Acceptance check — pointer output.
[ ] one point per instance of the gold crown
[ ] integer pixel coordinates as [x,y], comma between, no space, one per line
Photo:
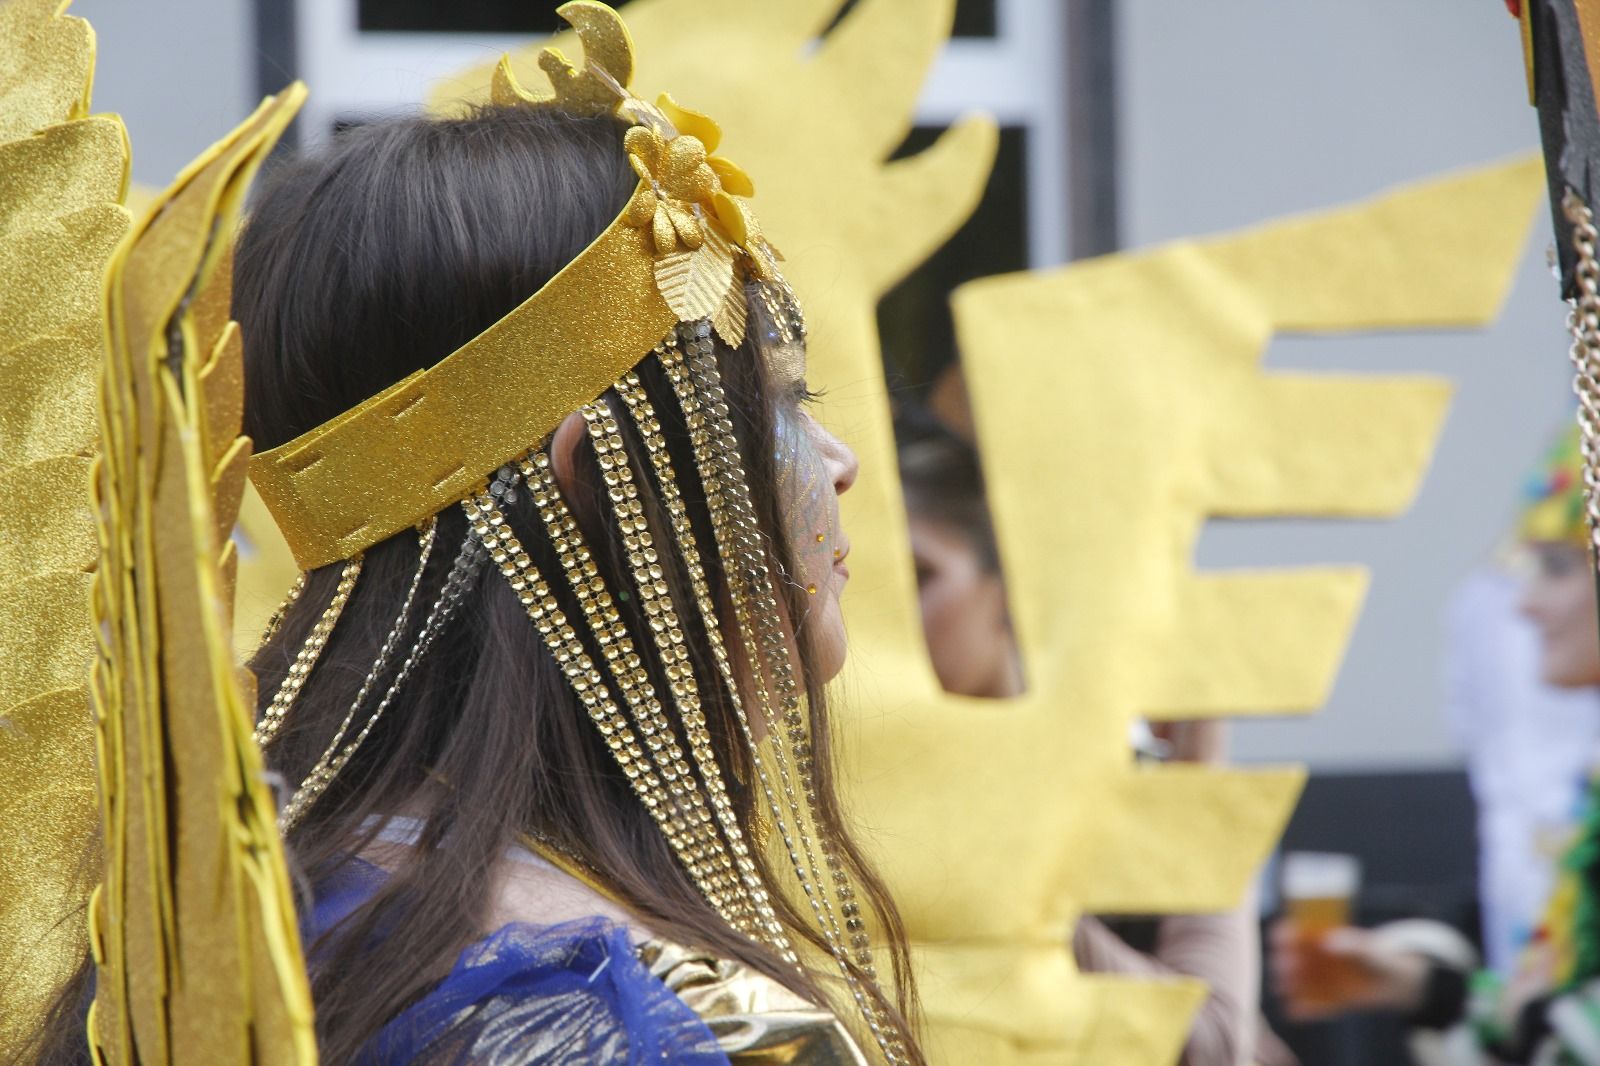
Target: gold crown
[679,252]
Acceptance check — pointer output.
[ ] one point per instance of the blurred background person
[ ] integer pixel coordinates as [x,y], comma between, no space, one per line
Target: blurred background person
[1531,755]
[962,596]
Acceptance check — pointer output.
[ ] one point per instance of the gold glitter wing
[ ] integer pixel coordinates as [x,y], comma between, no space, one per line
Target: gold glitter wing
[193,927]
[999,826]
[63,174]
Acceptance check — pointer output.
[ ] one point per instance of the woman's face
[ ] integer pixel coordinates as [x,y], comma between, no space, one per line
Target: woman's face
[813,467]
[964,614]
[1560,601]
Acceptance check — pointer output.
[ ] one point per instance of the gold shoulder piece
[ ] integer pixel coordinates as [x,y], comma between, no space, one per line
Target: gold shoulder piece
[193,926]
[756,1020]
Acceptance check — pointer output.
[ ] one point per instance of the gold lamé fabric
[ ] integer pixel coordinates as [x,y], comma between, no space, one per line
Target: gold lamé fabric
[757,1022]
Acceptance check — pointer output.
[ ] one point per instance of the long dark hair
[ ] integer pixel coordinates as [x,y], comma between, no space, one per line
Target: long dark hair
[359,266]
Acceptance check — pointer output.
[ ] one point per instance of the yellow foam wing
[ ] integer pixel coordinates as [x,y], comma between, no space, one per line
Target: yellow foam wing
[63,174]
[193,926]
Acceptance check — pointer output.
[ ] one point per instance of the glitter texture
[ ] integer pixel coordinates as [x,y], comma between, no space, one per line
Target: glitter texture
[197,950]
[61,179]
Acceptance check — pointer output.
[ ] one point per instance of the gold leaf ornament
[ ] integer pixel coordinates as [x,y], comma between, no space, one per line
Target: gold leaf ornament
[685,191]
[696,283]
[729,320]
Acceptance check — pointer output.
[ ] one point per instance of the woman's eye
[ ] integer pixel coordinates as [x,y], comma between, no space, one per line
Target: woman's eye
[810,396]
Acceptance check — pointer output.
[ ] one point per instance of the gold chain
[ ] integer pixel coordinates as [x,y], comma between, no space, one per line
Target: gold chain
[1584,322]
[710,860]
[289,600]
[562,640]
[740,542]
[299,670]
[667,631]
[334,757]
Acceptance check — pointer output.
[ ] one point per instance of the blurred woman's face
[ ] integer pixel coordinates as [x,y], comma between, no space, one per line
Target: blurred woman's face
[1560,601]
[964,615]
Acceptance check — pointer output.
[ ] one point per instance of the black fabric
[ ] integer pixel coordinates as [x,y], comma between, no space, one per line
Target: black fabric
[1444,998]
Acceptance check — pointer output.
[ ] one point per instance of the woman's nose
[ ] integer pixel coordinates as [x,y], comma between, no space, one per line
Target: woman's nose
[847,467]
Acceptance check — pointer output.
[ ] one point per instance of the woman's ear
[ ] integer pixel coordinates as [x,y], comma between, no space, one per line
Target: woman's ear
[564,451]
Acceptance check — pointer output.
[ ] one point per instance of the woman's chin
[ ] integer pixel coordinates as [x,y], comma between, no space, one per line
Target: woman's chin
[830,647]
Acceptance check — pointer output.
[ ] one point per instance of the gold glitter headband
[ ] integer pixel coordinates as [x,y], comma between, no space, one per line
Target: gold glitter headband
[679,252]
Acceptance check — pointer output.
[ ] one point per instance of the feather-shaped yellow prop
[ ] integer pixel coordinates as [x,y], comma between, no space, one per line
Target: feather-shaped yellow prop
[1132,387]
[193,927]
[63,175]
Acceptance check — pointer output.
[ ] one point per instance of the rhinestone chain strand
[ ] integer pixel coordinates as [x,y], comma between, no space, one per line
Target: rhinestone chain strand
[289,600]
[536,598]
[683,532]
[733,520]
[667,631]
[627,668]
[771,639]
[317,780]
[272,719]
[463,572]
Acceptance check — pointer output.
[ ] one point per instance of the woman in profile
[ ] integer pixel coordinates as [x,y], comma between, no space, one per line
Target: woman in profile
[548,700]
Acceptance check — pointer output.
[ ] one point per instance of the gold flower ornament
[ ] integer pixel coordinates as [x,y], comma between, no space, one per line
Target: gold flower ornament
[691,200]
[683,181]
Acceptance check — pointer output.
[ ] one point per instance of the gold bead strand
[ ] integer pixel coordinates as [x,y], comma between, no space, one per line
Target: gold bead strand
[458,582]
[716,453]
[644,417]
[585,679]
[667,632]
[717,500]
[771,639]
[653,592]
[318,779]
[289,600]
[299,670]
[627,668]
[748,537]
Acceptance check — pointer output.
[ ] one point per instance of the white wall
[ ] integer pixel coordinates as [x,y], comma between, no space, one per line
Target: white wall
[1234,111]
[180,72]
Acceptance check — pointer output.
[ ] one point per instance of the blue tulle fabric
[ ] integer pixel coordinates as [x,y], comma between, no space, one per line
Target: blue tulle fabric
[569,993]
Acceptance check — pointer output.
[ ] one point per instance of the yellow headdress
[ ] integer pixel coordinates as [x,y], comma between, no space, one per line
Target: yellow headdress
[669,271]
[679,252]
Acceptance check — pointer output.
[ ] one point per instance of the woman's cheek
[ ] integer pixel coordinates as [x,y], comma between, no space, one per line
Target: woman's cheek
[806,501]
